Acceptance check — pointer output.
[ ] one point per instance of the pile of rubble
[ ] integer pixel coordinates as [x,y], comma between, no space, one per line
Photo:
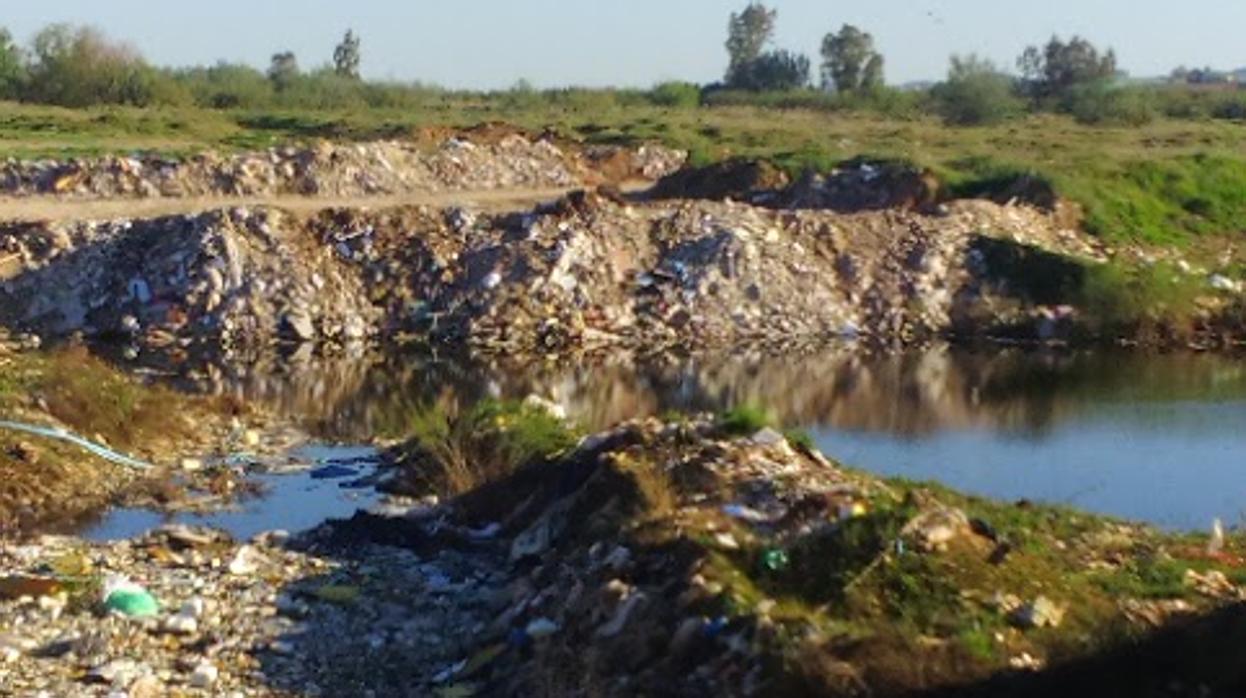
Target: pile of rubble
[656,558]
[590,271]
[461,162]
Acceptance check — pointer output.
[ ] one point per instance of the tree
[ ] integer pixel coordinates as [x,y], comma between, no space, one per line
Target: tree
[748,32]
[346,57]
[849,61]
[284,70]
[1057,68]
[773,70]
[12,67]
[976,92]
[79,66]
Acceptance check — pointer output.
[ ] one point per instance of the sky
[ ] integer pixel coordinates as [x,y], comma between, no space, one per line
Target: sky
[495,43]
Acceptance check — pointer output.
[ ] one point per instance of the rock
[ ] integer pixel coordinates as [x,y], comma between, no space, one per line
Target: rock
[769,437]
[191,465]
[204,676]
[935,529]
[117,672]
[1039,613]
[622,615]
[181,624]
[246,562]
[685,636]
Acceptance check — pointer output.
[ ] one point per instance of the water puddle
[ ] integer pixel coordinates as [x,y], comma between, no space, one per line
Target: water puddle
[1153,437]
[290,501]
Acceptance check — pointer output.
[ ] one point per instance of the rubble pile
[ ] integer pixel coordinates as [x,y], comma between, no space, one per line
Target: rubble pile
[689,557]
[591,271]
[460,162]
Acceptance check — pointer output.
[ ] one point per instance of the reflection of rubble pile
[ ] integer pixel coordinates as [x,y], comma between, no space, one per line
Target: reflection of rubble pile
[387,167]
[588,272]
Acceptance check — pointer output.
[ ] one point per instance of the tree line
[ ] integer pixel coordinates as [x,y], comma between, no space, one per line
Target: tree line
[79,66]
[75,66]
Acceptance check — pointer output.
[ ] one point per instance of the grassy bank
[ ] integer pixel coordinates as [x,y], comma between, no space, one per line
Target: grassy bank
[42,479]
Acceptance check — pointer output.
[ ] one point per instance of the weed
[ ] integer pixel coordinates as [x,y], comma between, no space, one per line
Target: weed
[463,449]
[745,420]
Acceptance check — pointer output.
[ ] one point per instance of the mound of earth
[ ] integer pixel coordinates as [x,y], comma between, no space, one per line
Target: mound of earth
[477,159]
[856,186]
[588,272]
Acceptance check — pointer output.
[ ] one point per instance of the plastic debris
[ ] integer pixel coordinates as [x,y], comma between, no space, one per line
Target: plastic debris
[129,599]
[541,627]
[62,435]
[338,594]
[775,560]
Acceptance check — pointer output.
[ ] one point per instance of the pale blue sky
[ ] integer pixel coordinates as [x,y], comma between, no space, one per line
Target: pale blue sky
[493,43]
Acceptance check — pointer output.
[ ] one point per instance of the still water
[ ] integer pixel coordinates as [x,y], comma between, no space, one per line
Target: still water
[1160,438]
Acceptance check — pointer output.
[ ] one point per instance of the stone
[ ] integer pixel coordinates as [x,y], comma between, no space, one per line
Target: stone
[1039,613]
[181,624]
[205,675]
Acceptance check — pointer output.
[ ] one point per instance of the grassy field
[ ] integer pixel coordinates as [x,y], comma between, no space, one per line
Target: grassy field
[1169,182]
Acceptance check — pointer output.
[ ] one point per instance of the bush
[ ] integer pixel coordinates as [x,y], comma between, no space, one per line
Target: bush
[464,449]
[227,86]
[1102,104]
[684,95]
[975,93]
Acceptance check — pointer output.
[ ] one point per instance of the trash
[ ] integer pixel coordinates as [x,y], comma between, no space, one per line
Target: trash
[852,510]
[333,472]
[18,586]
[775,560]
[62,435]
[338,594]
[129,599]
[541,627]
[744,513]
[726,541]
[1215,544]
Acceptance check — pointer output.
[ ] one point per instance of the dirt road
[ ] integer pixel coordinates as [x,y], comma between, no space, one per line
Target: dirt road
[45,208]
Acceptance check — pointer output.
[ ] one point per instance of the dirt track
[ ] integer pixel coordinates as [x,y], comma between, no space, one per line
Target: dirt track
[54,209]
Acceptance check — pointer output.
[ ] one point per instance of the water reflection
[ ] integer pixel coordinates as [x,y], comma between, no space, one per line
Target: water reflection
[1160,437]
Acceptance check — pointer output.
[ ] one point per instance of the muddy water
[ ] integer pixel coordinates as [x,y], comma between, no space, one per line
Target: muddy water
[1160,438]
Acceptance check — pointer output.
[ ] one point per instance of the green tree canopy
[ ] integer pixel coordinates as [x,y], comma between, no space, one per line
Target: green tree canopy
[773,70]
[849,61]
[284,70]
[1054,70]
[79,66]
[748,32]
[346,56]
[12,67]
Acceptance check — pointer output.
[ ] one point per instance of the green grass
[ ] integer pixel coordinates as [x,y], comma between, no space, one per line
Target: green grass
[453,450]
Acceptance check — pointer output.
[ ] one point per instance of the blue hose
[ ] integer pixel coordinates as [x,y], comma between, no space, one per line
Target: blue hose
[62,435]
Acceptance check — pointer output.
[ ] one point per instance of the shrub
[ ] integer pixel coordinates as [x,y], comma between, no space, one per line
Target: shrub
[976,93]
[745,420]
[1102,104]
[463,449]
[684,95]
